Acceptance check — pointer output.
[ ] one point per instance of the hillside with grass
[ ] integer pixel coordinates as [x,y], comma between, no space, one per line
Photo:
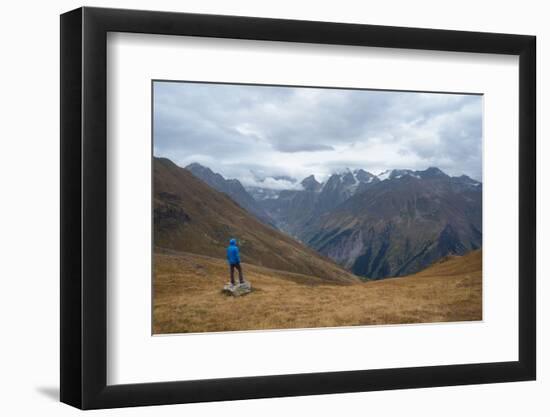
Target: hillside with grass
[188,299]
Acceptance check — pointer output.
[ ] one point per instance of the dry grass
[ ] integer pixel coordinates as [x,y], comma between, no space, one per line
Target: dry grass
[188,298]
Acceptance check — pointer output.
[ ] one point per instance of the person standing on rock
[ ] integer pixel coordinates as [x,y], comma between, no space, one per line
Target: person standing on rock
[234,260]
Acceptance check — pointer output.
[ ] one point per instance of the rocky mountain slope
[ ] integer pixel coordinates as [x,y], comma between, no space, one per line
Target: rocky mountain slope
[393,224]
[401,225]
[293,210]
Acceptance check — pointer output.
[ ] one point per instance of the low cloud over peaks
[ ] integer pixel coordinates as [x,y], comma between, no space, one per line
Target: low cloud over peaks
[241,129]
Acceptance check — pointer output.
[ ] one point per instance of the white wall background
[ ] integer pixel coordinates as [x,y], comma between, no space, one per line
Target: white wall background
[29,226]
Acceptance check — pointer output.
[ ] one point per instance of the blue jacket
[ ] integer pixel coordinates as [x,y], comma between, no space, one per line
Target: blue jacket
[233,253]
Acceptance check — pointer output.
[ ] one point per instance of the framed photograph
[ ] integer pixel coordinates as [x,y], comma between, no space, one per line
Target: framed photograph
[257,207]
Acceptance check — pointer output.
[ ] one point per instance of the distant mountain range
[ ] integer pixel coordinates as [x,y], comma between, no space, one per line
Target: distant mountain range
[191,216]
[400,225]
[376,226]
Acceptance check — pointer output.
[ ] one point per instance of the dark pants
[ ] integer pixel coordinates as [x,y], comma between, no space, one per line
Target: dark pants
[232,268]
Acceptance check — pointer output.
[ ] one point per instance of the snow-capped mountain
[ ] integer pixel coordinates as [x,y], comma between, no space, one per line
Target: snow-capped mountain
[392,174]
[340,186]
[429,173]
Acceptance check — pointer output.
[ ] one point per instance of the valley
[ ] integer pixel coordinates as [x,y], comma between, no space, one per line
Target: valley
[393,224]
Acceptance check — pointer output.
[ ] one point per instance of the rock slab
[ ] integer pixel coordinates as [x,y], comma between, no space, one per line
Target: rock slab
[238,289]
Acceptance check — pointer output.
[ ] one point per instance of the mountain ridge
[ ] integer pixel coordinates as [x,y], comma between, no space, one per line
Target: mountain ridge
[232,187]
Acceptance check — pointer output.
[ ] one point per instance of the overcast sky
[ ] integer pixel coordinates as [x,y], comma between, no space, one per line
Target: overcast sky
[253,132]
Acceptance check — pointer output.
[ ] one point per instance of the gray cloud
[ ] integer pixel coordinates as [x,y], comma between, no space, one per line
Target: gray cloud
[241,131]
[291,146]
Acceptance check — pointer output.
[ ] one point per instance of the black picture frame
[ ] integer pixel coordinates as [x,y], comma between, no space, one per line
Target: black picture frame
[84,207]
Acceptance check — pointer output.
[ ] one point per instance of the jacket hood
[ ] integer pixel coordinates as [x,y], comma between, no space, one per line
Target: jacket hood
[232,242]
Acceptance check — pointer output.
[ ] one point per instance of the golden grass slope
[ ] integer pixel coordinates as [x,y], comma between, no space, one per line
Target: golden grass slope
[188,298]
